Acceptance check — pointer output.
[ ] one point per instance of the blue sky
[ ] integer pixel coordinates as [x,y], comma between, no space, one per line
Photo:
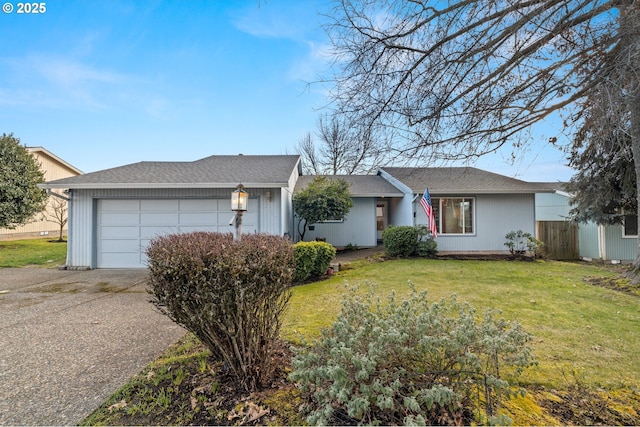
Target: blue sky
[102,83]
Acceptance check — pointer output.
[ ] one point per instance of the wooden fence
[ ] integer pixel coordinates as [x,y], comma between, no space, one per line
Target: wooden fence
[560,239]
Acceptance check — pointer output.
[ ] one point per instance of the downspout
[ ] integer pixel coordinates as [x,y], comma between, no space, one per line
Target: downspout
[413,207]
[602,242]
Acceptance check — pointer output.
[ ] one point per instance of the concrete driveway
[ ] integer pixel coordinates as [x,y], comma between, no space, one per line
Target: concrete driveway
[68,339]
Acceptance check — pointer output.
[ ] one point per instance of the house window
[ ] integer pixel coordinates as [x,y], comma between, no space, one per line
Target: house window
[630,226]
[454,215]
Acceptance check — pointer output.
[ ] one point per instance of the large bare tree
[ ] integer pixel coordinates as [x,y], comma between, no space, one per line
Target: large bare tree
[454,79]
[342,148]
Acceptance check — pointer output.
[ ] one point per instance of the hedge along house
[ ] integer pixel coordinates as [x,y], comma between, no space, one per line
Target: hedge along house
[114,213]
[474,209]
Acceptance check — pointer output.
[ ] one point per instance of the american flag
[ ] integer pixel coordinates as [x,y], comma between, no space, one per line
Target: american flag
[425,201]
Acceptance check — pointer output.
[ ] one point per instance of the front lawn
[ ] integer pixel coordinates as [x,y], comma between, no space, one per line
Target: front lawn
[586,339]
[576,326]
[32,252]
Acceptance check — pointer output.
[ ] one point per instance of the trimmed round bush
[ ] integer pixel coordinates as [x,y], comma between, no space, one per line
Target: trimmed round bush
[325,253]
[400,241]
[312,259]
[230,294]
[305,256]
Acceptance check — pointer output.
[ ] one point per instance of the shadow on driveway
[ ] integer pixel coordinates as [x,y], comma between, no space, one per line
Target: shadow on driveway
[71,338]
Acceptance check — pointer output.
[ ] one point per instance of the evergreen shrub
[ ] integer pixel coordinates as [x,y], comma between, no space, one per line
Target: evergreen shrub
[400,240]
[325,253]
[410,362]
[312,259]
[520,242]
[305,258]
[230,294]
[426,245]
[407,240]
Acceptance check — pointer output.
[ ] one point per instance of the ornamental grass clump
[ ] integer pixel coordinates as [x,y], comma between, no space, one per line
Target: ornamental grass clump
[410,362]
[230,294]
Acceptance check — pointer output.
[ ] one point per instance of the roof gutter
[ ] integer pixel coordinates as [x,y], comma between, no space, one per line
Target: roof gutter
[459,192]
[59,196]
[147,185]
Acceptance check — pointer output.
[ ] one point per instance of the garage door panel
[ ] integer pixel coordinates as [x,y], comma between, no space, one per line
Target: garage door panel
[198,218]
[155,231]
[118,219]
[119,205]
[121,245]
[159,218]
[121,260]
[194,228]
[199,205]
[223,218]
[112,232]
[158,205]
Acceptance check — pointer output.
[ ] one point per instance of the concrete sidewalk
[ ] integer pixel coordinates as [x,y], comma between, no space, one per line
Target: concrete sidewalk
[68,339]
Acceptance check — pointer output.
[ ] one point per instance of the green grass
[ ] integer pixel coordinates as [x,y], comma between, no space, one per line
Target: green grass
[581,332]
[32,252]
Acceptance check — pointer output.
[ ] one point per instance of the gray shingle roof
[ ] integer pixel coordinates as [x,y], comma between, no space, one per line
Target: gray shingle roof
[360,185]
[461,180]
[211,172]
[556,186]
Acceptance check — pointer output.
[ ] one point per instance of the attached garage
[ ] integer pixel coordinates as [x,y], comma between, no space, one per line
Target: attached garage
[114,213]
[125,226]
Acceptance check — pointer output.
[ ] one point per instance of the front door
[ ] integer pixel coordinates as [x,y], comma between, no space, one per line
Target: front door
[381,218]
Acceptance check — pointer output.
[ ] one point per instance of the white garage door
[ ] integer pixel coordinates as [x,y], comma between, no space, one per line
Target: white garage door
[125,227]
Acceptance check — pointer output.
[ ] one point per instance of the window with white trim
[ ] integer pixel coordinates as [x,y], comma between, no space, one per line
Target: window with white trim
[630,226]
[454,215]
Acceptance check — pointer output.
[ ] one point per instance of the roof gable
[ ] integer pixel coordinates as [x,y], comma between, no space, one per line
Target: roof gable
[461,180]
[43,152]
[210,172]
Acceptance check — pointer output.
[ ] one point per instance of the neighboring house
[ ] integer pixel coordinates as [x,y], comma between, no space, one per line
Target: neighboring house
[115,212]
[53,168]
[617,243]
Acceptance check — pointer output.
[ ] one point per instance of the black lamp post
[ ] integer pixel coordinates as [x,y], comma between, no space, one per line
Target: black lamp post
[239,203]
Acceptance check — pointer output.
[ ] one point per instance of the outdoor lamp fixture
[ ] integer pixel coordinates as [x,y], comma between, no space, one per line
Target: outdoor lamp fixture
[239,202]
